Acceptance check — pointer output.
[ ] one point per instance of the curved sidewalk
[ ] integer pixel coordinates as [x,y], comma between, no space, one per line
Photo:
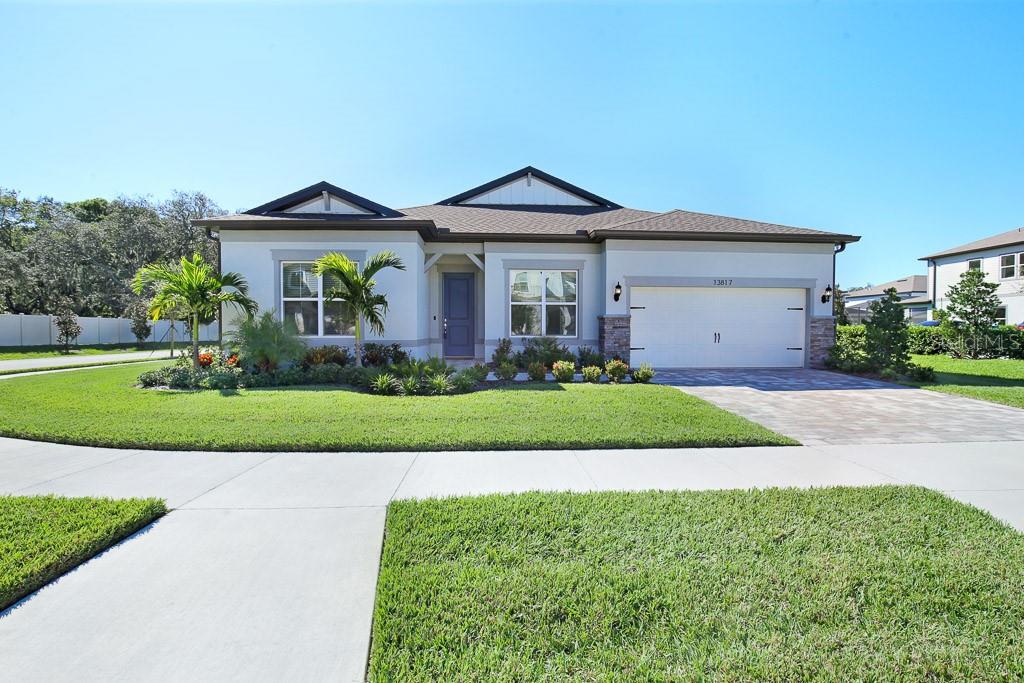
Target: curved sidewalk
[55,362]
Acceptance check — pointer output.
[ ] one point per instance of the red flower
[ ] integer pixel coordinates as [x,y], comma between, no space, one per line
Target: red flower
[205,360]
[232,360]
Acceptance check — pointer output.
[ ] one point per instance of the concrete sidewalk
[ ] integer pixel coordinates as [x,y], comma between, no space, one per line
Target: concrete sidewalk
[267,567]
[66,361]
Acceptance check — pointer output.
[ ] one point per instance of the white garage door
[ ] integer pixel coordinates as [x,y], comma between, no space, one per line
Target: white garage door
[712,327]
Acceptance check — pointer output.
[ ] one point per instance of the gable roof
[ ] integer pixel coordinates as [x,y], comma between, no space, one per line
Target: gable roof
[537,173]
[282,204]
[905,285]
[709,226]
[1003,239]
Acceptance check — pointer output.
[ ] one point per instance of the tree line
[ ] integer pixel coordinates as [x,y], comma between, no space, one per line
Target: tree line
[83,255]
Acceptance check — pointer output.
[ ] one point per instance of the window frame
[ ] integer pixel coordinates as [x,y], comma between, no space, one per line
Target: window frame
[1015,267]
[320,300]
[543,303]
[1001,319]
[974,260]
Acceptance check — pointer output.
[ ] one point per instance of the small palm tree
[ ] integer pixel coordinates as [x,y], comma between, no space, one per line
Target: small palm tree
[354,286]
[194,291]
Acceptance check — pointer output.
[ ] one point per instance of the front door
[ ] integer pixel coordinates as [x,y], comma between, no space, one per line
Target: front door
[458,328]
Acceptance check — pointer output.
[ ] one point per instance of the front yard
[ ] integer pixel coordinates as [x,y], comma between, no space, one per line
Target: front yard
[880,584]
[42,537]
[997,380]
[103,407]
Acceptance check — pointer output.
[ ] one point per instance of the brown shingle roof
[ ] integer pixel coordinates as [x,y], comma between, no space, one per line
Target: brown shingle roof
[910,283]
[1003,239]
[679,222]
[557,221]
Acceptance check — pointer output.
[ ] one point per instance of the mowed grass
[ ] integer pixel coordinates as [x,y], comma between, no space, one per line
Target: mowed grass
[42,537]
[999,380]
[869,584]
[103,407]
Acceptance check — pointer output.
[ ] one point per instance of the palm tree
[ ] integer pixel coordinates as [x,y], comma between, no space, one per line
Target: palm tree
[193,291]
[354,286]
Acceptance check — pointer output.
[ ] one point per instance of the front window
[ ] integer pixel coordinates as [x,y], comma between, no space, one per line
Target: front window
[1001,315]
[304,302]
[974,264]
[543,303]
[1008,266]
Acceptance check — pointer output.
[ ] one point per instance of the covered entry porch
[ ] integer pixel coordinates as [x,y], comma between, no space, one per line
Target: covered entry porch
[454,275]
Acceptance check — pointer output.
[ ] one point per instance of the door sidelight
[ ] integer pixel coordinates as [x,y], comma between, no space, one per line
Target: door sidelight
[444,328]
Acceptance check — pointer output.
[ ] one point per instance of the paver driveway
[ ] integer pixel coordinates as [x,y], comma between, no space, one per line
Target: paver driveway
[820,407]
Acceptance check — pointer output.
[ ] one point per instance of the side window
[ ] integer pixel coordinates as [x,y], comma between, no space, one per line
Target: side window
[974,264]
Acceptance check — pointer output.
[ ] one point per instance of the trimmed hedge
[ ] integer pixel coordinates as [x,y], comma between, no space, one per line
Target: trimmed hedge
[1005,341]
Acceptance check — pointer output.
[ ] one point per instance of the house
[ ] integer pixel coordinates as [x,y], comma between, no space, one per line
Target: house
[912,291]
[1000,257]
[529,254]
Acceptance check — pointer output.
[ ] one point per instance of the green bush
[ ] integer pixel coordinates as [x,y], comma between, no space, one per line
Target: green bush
[849,353]
[536,371]
[465,380]
[642,374]
[543,350]
[886,337]
[588,356]
[266,343]
[503,352]
[564,371]
[385,384]
[592,374]
[616,370]
[921,373]
[439,385]
[506,372]
[927,340]
[381,355]
[480,372]
[410,386]
[322,355]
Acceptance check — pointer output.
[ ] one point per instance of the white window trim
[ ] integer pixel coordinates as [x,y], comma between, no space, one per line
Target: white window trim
[319,303]
[543,303]
[1003,316]
[1016,266]
[979,261]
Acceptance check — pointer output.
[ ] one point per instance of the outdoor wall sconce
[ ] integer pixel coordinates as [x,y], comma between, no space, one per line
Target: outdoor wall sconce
[827,296]
[617,292]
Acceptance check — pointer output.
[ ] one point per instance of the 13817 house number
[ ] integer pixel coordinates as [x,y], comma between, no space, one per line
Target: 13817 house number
[721,283]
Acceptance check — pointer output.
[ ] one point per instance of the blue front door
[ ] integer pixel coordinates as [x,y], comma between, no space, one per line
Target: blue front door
[458,329]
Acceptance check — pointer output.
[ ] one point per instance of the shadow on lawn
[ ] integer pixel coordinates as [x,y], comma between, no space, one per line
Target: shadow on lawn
[487,387]
[961,379]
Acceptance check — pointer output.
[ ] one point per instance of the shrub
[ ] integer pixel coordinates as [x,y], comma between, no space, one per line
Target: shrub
[480,372]
[886,338]
[616,370]
[890,374]
[536,371]
[588,356]
[564,370]
[926,340]
[138,311]
[385,384]
[68,329]
[464,380]
[503,352]
[222,378]
[205,360]
[380,355]
[322,355]
[543,350]
[266,343]
[642,374]
[592,374]
[439,385]
[921,373]
[437,366]
[410,386]
[506,372]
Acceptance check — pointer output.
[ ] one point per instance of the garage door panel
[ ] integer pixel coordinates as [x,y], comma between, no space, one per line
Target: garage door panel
[677,326]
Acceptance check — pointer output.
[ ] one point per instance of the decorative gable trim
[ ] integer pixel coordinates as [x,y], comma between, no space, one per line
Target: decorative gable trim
[319,195]
[588,198]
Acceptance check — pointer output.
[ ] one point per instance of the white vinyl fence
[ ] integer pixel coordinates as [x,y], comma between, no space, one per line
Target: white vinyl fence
[41,330]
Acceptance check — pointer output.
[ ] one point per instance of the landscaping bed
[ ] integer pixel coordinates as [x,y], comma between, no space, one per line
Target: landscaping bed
[42,537]
[880,584]
[104,407]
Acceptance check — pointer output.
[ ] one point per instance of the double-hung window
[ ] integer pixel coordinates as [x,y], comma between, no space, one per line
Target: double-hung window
[304,302]
[543,303]
[1001,315]
[1011,266]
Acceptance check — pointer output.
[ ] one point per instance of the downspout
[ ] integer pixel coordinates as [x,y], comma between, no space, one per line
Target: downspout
[220,307]
[836,249]
[933,271]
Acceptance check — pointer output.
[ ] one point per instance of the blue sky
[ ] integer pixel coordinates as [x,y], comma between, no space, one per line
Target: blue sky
[901,122]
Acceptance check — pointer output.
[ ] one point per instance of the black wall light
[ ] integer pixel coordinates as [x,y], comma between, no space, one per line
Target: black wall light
[827,296]
[617,292]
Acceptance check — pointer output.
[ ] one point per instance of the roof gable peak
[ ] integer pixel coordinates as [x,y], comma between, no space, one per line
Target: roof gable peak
[323,198]
[529,186]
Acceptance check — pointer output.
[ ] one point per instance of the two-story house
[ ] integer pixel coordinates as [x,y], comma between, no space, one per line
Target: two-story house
[912,291]
[1000,257]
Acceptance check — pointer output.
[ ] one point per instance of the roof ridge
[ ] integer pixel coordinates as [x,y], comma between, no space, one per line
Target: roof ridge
[653,214]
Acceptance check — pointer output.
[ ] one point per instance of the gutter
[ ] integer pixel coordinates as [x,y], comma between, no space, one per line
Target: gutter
[220,269]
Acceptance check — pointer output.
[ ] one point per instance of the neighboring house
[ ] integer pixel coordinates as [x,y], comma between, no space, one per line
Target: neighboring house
[529,254]
[912,291]
[1000,257]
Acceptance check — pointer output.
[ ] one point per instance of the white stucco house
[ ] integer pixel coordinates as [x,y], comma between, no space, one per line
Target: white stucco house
[529,254]
[1000,257]
[912,291]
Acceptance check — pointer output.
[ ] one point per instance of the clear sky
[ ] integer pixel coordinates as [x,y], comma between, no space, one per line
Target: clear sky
[900,122]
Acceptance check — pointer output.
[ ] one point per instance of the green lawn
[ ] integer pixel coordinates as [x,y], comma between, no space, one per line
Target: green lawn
[867,584]
[42,537]
[998,380]
[32,352]
[103,407]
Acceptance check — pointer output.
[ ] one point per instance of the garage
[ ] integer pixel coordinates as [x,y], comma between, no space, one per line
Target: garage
[718,327]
